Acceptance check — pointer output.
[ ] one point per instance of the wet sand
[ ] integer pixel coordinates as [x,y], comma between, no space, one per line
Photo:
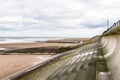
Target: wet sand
[32,45]
[69,40]
[10,64]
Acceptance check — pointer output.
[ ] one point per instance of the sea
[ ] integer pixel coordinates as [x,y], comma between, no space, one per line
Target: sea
[26,39]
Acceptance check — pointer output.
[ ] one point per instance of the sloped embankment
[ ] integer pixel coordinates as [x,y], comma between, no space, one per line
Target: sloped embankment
[111,43]
[34,48]
[80,64]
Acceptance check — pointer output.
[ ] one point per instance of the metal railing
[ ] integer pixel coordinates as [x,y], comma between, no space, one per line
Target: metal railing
[115,25]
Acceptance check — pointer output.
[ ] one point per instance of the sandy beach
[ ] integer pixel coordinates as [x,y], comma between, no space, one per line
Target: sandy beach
[10,64]
[31,45]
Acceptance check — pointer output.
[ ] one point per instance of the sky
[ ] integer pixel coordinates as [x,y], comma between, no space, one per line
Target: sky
[56,18]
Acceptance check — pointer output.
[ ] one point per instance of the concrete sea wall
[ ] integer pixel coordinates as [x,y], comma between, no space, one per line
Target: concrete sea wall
[111,45]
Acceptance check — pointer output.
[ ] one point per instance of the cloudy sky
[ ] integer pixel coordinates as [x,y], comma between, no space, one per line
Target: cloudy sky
[57,18]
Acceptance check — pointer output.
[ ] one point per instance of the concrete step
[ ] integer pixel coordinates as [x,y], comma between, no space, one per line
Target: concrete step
[67,69]
[77,64]
[81,75]
[63,71]
[77,67]
[85,64]
[60,71]
[62,77]
[55,73]
[91,73]
[71,76]
[70,69]
[73,59]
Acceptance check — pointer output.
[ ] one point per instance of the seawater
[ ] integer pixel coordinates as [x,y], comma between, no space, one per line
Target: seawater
[25,39]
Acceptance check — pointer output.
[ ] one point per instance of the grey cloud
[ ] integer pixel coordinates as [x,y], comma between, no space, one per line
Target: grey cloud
[58,15]
[9,29]
[92,25]
[16,26]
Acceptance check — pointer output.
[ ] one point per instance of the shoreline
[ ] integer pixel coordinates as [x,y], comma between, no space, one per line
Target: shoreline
[13,63]
[48,43]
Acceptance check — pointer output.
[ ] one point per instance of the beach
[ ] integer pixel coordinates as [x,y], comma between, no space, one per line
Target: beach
[10,64]
[15,62]
[32,45]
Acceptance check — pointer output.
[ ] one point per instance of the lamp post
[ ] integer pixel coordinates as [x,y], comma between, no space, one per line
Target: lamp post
[107,24]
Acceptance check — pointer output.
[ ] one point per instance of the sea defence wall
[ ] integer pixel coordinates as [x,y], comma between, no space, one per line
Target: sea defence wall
[111,46]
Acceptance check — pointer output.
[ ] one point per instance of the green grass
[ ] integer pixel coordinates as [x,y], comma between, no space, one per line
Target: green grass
[63,49]
[101,63]
[101,66]
[56,50]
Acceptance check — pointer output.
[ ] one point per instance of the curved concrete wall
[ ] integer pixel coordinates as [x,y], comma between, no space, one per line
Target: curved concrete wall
[111,46]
